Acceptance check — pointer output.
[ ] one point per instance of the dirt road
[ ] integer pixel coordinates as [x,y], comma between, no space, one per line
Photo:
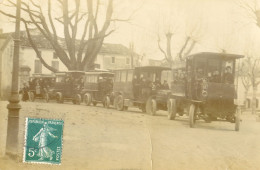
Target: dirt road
[97,138]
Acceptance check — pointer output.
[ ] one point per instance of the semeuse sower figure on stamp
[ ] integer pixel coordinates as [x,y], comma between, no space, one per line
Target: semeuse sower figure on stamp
[41,137]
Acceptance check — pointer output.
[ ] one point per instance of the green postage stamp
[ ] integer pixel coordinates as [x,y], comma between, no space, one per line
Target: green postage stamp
[43,141]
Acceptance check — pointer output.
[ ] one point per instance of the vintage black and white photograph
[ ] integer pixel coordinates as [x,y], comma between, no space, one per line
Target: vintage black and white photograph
[130,84]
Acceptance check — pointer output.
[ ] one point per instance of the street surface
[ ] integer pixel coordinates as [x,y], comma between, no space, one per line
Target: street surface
[98,138]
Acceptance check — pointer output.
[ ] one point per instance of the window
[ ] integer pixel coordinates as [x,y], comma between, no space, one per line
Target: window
[55,55]
[37,66]
[113,60]
[130,75]
[123,76]
[127,60]
[55,64]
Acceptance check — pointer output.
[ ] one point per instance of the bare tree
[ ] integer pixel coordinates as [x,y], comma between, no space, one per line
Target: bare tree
[245,78]
[251,9]
[251,75]
[192,36]
[76,54]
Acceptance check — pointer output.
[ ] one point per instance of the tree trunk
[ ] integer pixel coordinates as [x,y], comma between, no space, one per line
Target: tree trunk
[254,100]
[245,98]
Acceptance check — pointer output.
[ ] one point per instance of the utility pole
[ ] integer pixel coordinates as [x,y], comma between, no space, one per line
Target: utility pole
[132,54]
[14,106]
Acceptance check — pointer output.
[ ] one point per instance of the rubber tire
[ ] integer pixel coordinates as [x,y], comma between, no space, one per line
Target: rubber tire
[237,119]
[31,96]
[87,99]
[47,97]
[192,115]
[151,106]
[77,99]
[106,102]
[171,108]
[120,103]
[59,97]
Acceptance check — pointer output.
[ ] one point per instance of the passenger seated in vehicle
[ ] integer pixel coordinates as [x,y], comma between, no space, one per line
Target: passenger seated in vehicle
[199,74]
[228,77]
[145,87]
[157,84]
[165,85]
[216,77]
[136,86]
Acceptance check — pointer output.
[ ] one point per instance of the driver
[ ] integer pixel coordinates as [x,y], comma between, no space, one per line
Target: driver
[228,77]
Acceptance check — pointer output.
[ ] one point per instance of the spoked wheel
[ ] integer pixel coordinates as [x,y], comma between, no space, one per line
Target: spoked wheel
[87,99]
[171,105]
[106,102]
[119,102]
[76,99]
[151,106]
[59,97]
[46,97]
[31,96]
[237,119]
[192,115]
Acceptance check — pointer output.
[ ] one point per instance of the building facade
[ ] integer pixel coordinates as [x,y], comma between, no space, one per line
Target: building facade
[111,56]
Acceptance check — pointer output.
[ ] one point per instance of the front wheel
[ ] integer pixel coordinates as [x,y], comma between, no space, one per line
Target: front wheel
[77,99]
[59,97]
[46,97]
[106,102]
[171,107]
[87,99]
[192,115]
[119,103]
[237,119]
[31,96]
[151,106]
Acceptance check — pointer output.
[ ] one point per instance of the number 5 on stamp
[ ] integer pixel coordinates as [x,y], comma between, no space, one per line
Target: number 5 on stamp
[43,141]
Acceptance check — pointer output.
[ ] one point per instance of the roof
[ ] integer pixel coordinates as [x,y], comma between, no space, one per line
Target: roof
[215,55]
[43,43]
[64,72]
[146,68]
[100,73]
[39,75]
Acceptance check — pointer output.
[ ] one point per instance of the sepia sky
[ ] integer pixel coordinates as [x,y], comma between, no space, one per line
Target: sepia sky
[216,25]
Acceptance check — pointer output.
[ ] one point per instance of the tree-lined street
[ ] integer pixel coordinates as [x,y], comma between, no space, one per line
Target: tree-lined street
[97,138]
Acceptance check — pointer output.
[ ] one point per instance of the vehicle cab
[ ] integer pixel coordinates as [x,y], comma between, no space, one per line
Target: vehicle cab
[98,86]
[68,86]
[135,87]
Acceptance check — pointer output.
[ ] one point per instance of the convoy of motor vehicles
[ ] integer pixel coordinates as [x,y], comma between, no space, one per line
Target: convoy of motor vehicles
[204,87]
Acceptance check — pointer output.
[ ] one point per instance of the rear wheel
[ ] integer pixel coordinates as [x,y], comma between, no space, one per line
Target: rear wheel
[120,102]
[59,97]
[47,97]
[237,119]
[192,115]
[151,106]
[87,99]
[171,105]
[31,96]
[106,102]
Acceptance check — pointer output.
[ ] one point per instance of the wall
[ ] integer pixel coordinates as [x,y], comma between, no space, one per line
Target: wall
[28,57]
[6,58]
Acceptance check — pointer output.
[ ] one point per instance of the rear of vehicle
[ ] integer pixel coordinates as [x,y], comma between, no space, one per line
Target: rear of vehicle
[97,88]
[68,86]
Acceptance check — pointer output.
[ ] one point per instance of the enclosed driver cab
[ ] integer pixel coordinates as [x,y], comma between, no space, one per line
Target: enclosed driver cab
[211,76]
